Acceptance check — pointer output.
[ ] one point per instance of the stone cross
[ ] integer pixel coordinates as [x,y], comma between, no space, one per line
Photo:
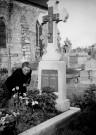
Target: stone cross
[50,18]
[54,16]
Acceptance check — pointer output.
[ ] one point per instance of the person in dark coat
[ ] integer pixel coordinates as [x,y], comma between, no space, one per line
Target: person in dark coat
[19,79]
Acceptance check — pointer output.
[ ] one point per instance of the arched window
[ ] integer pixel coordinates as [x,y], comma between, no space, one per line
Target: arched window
[2,33]
[38,40]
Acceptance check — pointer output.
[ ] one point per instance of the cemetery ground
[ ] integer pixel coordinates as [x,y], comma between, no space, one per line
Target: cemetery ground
[73,87]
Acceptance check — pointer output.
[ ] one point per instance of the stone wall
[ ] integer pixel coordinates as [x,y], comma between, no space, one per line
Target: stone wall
[20,20]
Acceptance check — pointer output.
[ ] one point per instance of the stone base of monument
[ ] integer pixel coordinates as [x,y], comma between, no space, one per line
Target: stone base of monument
[53,74]
[63,105]
[50,126]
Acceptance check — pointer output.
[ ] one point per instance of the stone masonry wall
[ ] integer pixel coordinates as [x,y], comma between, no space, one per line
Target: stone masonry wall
[4,13]
[20,31]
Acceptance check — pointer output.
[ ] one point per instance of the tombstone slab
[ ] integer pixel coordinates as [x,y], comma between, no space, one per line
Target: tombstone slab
[90,64]
[85,80]
[93,79]
[84,73]
[93,73]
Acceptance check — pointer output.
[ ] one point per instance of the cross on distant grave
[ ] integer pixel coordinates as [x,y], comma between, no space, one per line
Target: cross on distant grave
[50,18]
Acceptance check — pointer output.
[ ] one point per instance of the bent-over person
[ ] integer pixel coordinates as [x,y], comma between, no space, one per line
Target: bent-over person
[19,79]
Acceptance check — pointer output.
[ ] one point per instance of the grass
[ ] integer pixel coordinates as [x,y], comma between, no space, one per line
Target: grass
[72,86]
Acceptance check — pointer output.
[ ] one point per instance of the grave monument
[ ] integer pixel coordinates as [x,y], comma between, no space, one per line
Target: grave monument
[52,69]
[88,75]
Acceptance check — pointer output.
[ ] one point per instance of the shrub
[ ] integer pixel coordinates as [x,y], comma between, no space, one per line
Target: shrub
[86,99]
[86,120]
[4,93]
[7,122]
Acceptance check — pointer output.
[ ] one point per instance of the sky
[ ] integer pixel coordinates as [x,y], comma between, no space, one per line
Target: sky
[80,27]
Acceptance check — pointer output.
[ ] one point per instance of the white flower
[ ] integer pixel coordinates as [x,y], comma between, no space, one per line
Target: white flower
[14,96]
[17,87]
[18,113]
[21,97]
[6,115]
[13,89]
[24,94]
[27,102]
[15,114]
[33,102]
[36,102]
[3,120]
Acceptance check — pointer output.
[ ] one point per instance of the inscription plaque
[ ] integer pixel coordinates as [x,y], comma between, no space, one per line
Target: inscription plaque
[49,78]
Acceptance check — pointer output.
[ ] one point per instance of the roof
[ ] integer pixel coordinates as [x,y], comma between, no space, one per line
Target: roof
[40,3]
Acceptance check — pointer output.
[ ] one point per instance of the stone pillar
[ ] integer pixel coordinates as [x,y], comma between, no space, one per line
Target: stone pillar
[57,81]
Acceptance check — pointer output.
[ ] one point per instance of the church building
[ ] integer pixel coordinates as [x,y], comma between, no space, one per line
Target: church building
[20,32]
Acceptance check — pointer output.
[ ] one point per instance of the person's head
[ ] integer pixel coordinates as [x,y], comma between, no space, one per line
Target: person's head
[26,67]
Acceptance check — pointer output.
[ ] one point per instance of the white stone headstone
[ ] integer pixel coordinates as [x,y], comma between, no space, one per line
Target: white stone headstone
[93,73]
[84,74]
[52,71]
[90,64]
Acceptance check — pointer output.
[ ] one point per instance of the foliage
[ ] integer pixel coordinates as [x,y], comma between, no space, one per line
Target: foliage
[7,122]
[86,120]
[86,99]
[31,109]
[47,100]
[4,93]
